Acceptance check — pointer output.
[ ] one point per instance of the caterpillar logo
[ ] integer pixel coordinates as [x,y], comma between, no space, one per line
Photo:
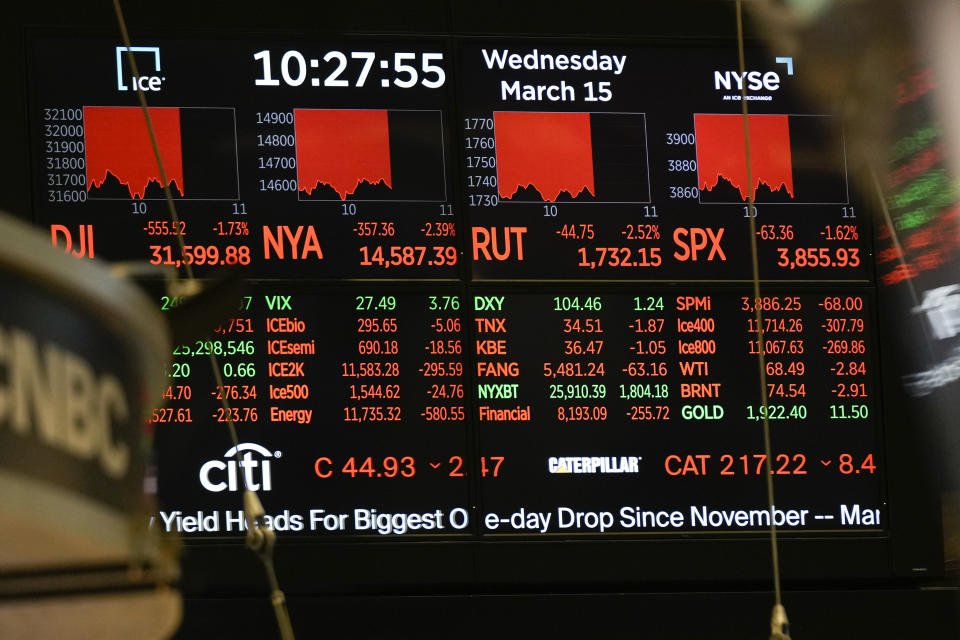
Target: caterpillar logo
[594,464]
[256,472]
[55,396]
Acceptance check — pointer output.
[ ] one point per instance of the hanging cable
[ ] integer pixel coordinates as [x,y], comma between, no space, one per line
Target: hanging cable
[779,625]
[260,537]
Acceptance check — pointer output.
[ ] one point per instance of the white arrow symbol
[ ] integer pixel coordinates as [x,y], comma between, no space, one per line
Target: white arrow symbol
[788,62]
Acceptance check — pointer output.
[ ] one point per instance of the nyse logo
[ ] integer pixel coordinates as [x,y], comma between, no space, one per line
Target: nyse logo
[754,80]
[149,80]
[223,475]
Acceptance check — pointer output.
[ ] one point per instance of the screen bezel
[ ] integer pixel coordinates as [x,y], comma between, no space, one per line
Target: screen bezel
[908,549]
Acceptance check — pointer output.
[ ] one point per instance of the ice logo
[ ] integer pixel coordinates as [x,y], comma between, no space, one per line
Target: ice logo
[146,82]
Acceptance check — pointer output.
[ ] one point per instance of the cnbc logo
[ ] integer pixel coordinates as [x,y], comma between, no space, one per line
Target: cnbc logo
[254,462]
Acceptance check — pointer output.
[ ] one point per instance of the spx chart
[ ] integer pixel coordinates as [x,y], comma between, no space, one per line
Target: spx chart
[793,159]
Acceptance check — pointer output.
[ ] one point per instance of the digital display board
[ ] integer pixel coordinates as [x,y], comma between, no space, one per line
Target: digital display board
[496,288]
[328,163]
[616,163]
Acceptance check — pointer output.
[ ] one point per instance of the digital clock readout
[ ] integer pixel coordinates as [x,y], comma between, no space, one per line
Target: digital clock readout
[353,69]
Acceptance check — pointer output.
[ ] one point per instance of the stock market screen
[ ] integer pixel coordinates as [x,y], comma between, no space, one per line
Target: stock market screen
[497,288]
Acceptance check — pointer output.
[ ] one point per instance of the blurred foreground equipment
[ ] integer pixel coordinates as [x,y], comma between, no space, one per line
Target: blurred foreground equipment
[82,357]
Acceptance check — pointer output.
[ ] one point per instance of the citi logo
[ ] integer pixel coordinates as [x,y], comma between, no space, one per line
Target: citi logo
[150,79]
[223,475]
